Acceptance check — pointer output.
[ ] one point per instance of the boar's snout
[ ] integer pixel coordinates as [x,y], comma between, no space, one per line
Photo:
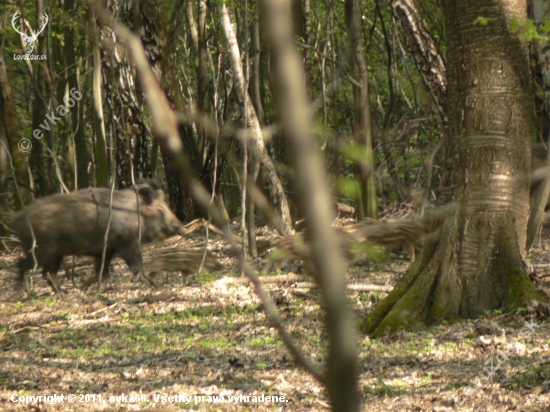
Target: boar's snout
[166,221]
[174,228]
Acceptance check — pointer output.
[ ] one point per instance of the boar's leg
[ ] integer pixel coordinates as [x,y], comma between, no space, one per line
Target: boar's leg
[24,264]
[52,268]
[132,257]
[109,253]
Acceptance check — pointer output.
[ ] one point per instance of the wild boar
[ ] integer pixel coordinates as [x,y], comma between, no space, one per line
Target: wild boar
[75,224]
[177,259]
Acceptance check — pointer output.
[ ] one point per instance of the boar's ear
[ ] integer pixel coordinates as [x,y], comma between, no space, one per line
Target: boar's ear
[147,194]
[154,183]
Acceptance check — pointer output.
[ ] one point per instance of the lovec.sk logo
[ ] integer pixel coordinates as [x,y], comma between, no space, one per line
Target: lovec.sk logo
[29,40]
[69,100]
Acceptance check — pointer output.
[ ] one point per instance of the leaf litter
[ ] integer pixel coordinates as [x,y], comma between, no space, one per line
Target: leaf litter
[205,336]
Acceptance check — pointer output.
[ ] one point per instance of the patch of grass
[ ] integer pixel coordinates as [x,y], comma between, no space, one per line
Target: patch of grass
[206,277]
[50,302]
[4,379]
[382,350]
[530,379]
[380,389]
[451,347]
[209,343]
[227,312]
[190,405]
[102,340]
[265,341]
[262,364]
[16,307]
[73,353]
[252,308]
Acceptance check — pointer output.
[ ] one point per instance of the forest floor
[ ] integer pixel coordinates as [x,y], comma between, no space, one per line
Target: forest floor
[204,341]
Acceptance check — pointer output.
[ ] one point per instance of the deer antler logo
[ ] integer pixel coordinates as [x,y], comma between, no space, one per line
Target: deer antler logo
[30,40]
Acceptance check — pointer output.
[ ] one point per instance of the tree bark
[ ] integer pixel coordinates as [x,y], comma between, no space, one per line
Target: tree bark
[39,161]
[200,161]
[255,73]
[12,129]
[4,166]
[368,202]
[63,136]
[424,50]
[77,118]
[477,264]
[203,79]
[256,140]
[541,14]
[131,157]
[256,98]
[102,164]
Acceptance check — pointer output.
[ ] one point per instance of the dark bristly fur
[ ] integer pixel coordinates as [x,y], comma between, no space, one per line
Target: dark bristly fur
[75,224]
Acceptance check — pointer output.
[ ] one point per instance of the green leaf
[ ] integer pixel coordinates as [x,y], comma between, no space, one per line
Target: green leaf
[348,187]
[514,24]
[357,153]
[482,21]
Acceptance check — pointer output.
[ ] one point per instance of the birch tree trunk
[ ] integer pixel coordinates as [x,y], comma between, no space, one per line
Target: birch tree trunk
[256,140]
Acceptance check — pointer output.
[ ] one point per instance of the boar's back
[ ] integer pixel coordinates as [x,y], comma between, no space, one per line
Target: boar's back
[75,223]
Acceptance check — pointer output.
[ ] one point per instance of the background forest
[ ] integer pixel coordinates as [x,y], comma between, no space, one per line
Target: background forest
[411,125]
[185,45]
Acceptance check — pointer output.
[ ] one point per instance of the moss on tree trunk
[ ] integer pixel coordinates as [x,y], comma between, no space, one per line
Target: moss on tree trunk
[436,289]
